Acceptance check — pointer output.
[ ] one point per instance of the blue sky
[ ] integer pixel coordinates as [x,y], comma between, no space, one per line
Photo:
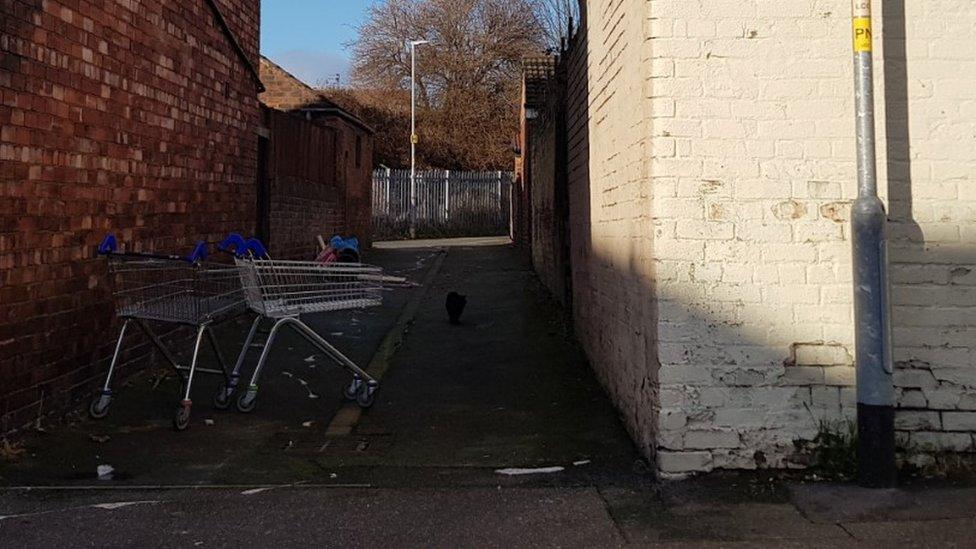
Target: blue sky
[307,37]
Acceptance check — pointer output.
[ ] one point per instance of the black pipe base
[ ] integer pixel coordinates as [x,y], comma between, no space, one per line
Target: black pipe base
[876,446]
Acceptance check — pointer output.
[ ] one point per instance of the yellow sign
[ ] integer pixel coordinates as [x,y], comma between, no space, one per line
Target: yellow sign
[862,35]
[414,139]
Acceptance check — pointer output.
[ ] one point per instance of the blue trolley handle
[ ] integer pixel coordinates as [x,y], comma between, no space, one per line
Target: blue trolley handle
[110,246]
[234,244]
[256,248]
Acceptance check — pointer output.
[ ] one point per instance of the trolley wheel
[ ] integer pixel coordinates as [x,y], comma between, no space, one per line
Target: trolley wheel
[221,399]
[247,401]
[366,395]
[181,421]
[98,408]
[351,392]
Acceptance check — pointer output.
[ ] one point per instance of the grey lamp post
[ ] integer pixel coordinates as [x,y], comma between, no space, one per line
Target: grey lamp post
[875,390]
[412,44]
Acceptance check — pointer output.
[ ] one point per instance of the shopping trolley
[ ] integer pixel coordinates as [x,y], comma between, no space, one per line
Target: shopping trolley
[282,291]
[174,290]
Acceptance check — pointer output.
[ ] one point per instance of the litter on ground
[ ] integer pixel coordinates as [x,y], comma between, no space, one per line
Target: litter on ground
[11,450]
[104,472]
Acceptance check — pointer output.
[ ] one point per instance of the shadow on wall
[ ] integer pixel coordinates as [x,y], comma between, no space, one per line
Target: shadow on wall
[612,285]
[736,392]
[71,172]
[934,274]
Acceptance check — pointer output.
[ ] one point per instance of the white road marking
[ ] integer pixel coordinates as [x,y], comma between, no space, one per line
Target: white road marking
[538,471]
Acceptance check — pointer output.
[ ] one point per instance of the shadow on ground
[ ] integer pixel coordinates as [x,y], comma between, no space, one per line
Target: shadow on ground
[300,393]
[508,388]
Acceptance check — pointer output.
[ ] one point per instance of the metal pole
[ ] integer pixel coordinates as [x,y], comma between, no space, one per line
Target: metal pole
[498,185]
[875,389]
[413,140]
[447,195]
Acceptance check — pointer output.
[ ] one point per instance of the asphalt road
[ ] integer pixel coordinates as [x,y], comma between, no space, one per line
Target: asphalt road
[297,517]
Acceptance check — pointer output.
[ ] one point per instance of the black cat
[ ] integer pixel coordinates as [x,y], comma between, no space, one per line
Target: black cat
[455,306]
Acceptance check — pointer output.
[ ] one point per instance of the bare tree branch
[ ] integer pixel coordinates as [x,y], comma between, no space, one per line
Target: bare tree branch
[468,76]
[554,17]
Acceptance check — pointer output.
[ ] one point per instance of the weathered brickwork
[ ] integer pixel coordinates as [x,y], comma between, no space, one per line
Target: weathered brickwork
[283,91]
[931,161]
[610,207]
[711,172]
[304,196]
[543,167]
[127,116]
[321,166]
[753,175]
[546,174]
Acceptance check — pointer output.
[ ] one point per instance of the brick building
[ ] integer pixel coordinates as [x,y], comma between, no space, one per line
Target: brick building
[139,118]
[539,194]
[710,170]
[318,167]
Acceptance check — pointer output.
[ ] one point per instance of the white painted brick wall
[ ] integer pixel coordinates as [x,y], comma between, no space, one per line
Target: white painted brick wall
[610,224]
[933,209]
[711,259]
[756,97]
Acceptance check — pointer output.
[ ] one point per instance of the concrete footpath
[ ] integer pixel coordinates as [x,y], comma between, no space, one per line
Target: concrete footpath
[493,433]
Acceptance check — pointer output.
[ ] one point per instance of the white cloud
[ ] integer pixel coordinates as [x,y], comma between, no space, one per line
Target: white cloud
[313,67]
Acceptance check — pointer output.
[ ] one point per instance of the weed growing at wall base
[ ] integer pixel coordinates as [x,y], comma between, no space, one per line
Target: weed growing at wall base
[833,452]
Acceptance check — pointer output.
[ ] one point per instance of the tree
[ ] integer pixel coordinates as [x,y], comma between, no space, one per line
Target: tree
[468,76]
[554,17]
[388,112]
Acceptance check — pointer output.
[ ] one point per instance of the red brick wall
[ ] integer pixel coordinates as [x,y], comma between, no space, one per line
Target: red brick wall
[541,215]
[305,198]
[136,117]
[284,91]
[548,201]
[316,186]
[337,200]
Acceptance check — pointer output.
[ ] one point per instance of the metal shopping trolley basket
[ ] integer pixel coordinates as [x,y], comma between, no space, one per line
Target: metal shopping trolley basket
[174,290]
[282,291]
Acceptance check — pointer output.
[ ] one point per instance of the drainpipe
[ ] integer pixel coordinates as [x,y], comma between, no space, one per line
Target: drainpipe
[875,390]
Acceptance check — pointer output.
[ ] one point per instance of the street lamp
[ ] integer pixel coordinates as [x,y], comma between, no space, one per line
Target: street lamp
[412,44]
[876,463]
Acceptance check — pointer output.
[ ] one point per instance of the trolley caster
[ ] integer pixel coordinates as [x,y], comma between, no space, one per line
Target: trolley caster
[351,392]
[367,394]
[221,399]
[98,408]
[181,421]
[247,401]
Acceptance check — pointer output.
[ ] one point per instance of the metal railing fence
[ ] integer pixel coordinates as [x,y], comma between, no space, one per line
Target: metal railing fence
[449,204]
